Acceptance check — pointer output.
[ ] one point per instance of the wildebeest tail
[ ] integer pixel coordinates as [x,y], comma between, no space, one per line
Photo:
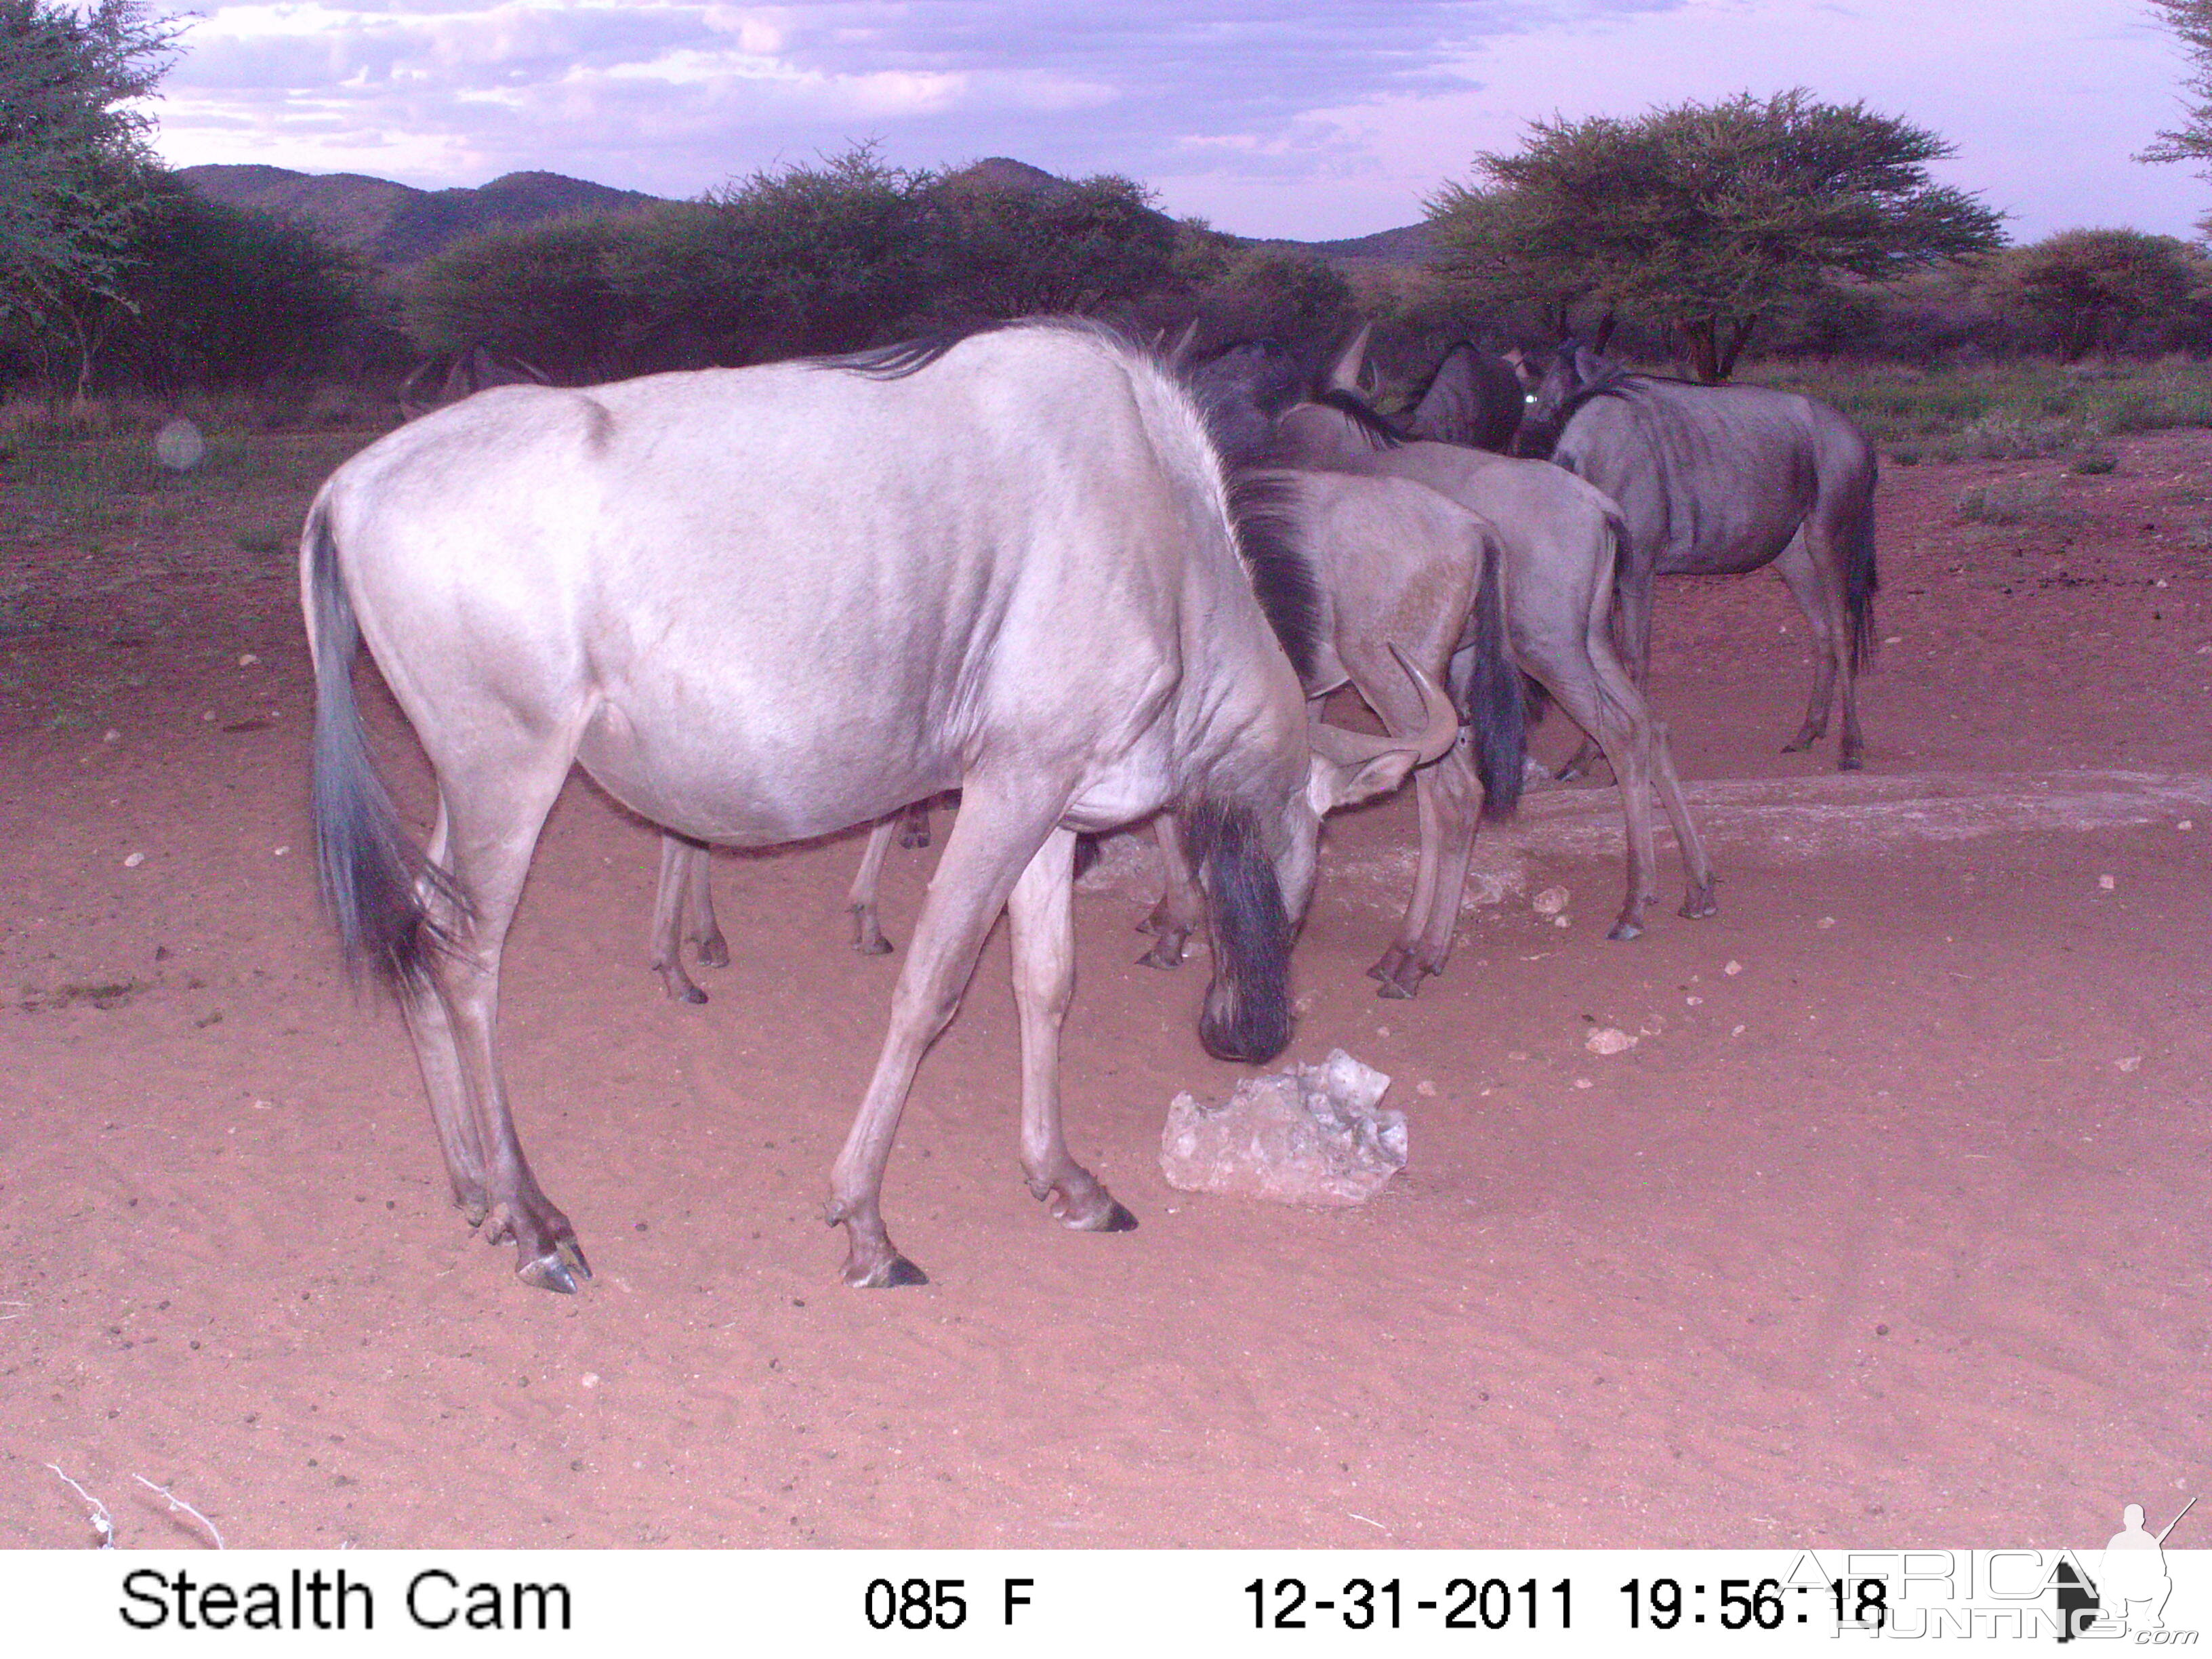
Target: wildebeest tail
[1855,542]
[1491,704]
[1247,1006]
[378,885]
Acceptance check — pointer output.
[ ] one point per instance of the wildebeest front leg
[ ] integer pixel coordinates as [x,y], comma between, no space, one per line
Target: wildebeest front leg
[684,909]
[1182,907]
[914,826]
[867,932]
[1041,920]
[992,839]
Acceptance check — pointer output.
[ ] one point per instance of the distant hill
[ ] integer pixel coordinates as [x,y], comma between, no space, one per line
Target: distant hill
[397,224]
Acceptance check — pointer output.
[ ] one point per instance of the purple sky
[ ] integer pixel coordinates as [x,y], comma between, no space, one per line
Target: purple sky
[1311,119]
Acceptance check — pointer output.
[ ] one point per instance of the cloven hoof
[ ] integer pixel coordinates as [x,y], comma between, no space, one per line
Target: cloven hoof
[893,1275]
[558,1269]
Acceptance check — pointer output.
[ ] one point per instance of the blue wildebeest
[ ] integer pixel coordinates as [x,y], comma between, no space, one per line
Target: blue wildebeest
[760,604]
[1717,480]
[1560,540]
[1473,399]
[450,377]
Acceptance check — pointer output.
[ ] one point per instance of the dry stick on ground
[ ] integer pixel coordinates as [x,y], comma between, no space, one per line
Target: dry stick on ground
[102,1522]
[175,1504]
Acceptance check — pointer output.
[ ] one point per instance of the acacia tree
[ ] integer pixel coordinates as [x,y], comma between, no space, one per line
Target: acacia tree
[2092,288]
[74,161]
[2191,20]
[1707,220]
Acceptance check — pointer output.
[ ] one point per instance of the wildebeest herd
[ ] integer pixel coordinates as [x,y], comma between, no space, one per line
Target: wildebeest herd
[1083,582]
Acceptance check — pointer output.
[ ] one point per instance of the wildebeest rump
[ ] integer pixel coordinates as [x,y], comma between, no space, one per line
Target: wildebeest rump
[761,604]
[1717,480]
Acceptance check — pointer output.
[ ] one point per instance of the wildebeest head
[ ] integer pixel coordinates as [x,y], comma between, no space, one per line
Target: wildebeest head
[1555,388]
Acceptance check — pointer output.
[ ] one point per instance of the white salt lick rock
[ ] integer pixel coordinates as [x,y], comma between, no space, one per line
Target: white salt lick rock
[1307,1134]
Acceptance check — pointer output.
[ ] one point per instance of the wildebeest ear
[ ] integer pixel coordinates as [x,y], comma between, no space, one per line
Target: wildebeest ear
[1527,372]
[1344,373]
[1590,367]
[1331,784]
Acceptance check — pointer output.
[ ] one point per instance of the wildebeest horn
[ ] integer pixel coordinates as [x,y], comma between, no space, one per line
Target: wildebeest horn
[1344,372]
[1179,354]
[1356,748]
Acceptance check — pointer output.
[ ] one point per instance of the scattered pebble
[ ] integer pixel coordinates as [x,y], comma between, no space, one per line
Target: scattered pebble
[1382,1030]
[2129,1063]
[2186,823]
[281,851]
[1737,1032]
[1733,968]
[1426,1090]
[1826,921]
[2105,883]
[1894,639]
[1582,1083]
[133,860]
[1561,922]
[590,1379]
[247,660]
[112,736]
[1695,1002]
[209,715]
[1608,1040]
[1549,902]
[1515,1054]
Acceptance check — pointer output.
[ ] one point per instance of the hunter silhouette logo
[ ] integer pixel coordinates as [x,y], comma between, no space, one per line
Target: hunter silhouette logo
[2130,1590]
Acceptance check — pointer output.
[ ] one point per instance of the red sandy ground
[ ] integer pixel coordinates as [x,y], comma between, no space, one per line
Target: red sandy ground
[1898,1235]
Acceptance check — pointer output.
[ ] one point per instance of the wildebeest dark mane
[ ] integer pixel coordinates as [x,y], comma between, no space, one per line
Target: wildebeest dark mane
[903,357]
[1247,1017]
[1378,431]
[1282,578]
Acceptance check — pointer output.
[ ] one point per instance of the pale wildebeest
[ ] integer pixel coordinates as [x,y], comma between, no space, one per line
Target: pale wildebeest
[761,604]
[450,377]
[1717,480]
[1561,539]
[1399,571]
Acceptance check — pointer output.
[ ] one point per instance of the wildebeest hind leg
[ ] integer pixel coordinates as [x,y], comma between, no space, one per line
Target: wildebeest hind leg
[1040,917]
[497,803]
[1820,595]
[440,1061]
[993,838]
[672,900]
[868,881]
[1457,792]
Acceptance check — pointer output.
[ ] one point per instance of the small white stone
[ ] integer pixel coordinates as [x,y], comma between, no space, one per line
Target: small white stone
[1549,902]
[1382,1030]
[112,736]
[247,659]
[1561,922]
[281,851]
[133,860]
[1608,1040]
[1733,968]
[1695,1002]
[1582,1083]
[1894,639]
[2186,823]
[2129,1063]
[1426,1090]
[208,716]
[590,1379]
[2105,883]
[1737,1032]
[1826,921]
